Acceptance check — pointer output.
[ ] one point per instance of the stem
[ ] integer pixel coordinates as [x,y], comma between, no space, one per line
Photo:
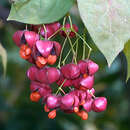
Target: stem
[90,49]
[60,88]
[92,94]
[71,47]
[77,45]
[45,31]
[71,25]
[39,30]
[55,33]
[89,52]
[26,27]
[69,53]
[61,53]
[62,91]
[64,21]
[83,56]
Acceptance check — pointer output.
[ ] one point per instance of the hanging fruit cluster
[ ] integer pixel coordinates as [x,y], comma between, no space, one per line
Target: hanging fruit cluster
[74,81]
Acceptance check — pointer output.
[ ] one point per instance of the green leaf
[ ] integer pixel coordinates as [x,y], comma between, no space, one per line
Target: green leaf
[3,54]
[127,54]
[108,22]
[39,11]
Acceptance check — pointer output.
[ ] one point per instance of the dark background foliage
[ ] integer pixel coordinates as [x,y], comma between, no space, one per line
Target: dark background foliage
[17,112]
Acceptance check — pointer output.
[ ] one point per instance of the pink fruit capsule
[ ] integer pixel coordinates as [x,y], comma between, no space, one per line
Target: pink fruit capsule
[44,47]
[53,74]
[45,91]
[99,104]
[37,86]
[52,102]
[83,66]
[41,75]
[49,31]
[34,86]
[55,26]
[31,73]
[92,67]
[67,101]
[17,38]
[88,105]
[70,71]
[31,38]
[57,47]
[76,101]
[87,82]
[76,82]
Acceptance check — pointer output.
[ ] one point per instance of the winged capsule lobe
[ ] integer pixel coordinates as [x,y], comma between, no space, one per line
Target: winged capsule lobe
[49,31]
[31,38]
[53,74]
[87,82]
[44,47]
[92,67]
[52,102]
[76,101]
[88,105]
[70,71]
[83,66]
[55,26]
[74,92]
[17,36]
[35,86]
[41,75]
[76,82]
[31,73]
[67,101]
[99,104]
[45,91]
[57,47]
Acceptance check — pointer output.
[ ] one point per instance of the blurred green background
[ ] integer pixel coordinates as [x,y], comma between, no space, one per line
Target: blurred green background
[17,112]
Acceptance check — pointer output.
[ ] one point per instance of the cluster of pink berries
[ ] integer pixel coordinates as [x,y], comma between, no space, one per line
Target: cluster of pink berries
[79,77]
[36,51]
